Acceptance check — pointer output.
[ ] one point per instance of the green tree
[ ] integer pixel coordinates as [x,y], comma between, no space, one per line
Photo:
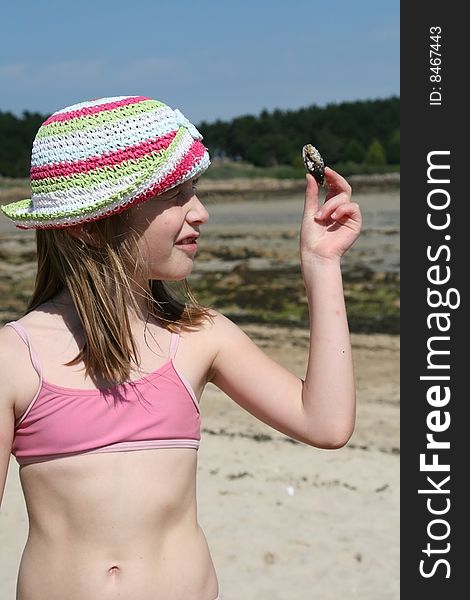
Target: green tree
[393,147]
[375,154]
[354,151]
[330,145]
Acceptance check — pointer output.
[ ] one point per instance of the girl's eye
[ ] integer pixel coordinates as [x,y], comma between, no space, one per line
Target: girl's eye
[180,193]
[169,199]
[171,195]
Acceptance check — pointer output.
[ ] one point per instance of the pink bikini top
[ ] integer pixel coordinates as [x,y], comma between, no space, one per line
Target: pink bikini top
[159,410]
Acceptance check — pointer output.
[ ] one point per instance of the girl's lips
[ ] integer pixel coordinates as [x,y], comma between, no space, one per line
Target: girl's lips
[188,243]
[187,246]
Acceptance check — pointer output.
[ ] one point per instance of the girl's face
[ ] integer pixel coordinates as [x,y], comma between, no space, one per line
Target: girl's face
[168,227]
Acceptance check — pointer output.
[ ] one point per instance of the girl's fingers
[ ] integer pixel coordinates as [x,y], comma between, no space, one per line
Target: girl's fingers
[338,200]
[347,209]
[336,183]
[311,196]
[332,204]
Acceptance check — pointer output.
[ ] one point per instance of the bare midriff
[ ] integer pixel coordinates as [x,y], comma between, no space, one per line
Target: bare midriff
[120,525]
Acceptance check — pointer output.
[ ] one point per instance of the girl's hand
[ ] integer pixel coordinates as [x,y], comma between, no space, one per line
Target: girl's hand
[329,231]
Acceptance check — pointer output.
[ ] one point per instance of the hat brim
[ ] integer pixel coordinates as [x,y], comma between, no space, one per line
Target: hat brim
[190,163]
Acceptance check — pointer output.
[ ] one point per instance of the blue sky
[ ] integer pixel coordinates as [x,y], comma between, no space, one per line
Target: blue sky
[211,59]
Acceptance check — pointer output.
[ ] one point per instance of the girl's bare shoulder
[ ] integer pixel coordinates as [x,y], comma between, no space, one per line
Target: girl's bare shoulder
[13,360]
[217,335]
[16,371]
[214,331]
[11,346]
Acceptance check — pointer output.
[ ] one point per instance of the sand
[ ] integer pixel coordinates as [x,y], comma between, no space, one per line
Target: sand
[285,521]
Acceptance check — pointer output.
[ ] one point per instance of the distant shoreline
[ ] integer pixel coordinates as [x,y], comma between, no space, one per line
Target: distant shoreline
[265,188]
[255,185]
[12,189]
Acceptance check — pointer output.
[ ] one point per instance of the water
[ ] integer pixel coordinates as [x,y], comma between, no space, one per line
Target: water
[380,210]
[377,248]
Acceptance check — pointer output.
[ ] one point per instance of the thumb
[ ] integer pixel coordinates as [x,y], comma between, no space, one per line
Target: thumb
[311,196]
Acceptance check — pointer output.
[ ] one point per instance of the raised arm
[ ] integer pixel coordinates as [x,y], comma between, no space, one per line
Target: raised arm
[328,394]
[319,410]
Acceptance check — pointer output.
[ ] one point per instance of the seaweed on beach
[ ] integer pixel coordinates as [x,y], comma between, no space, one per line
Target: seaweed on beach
[278,296]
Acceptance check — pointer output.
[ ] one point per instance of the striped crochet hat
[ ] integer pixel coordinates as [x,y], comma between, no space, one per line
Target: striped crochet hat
[98,158]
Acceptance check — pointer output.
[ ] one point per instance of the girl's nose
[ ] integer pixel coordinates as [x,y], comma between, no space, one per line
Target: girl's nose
[197,212]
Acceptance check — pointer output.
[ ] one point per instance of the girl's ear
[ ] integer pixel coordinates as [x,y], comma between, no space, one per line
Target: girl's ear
[81,232]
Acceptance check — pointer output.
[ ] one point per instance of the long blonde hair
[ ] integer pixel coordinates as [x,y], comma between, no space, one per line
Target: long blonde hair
[99,278]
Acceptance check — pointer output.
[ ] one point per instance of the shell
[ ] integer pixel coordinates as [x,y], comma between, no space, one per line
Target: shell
[314,162]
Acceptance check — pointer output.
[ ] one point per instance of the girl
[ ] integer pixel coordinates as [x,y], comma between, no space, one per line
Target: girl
[101,379]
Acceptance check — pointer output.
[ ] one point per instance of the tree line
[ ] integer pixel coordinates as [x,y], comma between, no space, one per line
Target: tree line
[359,133]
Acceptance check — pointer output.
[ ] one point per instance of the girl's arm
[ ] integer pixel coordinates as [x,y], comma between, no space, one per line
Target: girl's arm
[319,410]
[6,438]
[7,414]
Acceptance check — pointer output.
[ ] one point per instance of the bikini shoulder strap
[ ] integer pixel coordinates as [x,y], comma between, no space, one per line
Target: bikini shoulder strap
[175,338]
[21,331]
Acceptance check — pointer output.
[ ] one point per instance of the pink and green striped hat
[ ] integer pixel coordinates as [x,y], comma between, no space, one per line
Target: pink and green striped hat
[100,157]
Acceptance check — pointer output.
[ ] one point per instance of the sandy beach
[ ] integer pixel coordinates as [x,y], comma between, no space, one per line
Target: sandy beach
[284,521]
